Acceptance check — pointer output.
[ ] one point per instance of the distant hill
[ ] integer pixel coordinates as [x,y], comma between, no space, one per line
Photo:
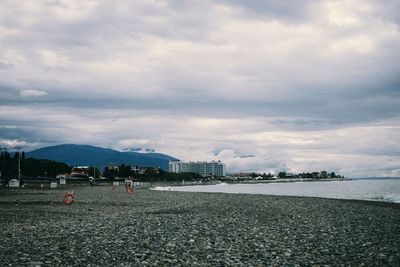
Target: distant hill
[84,155]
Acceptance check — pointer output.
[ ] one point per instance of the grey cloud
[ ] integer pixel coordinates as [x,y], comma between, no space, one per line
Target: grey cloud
[309,125]
[14,133]
[247,156]
[317,113]
[216,152]
[284,9]
[4,65]
[127,21]
[7,95]
[385,151]
[390,9]
[24,138]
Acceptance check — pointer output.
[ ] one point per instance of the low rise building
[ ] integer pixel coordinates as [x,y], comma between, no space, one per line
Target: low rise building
[113,167]
[203,168]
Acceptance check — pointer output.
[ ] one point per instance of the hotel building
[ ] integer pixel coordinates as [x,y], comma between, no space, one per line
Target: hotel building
[213,168]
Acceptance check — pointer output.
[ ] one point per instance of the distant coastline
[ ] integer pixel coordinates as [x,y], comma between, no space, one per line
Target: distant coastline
[374,178]
[291,180]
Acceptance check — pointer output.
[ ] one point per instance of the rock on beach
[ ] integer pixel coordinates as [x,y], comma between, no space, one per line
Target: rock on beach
[152,228]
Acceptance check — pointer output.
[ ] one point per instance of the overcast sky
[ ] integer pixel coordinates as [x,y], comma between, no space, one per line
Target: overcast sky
[261,85]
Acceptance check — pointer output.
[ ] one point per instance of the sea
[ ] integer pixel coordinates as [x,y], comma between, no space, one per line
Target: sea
[376,189]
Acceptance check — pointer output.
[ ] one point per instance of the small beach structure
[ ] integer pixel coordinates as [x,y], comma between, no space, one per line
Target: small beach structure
[13,183]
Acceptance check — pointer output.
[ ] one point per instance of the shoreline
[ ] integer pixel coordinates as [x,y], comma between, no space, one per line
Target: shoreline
[369,190]
[290,196]
[167,186]
[106,227]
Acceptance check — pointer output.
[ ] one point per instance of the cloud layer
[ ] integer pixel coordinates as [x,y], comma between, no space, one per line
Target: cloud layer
[261,85]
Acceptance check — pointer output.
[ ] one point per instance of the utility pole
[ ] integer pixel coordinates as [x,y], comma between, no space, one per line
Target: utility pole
[19,167]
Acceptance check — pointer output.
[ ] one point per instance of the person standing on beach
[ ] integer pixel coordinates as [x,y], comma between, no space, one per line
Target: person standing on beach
[129,186]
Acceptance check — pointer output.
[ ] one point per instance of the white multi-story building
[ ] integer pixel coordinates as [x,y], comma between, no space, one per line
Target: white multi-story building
[213,168]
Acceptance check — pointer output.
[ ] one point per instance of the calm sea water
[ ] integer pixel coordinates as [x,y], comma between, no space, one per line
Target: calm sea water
[370,189]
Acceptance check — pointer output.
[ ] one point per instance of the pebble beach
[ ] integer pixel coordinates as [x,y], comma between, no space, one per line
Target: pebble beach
[107,227]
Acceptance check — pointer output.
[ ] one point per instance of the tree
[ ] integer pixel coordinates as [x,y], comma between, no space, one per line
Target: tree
[94,171]
[110,173]
[282,175]
[324,174]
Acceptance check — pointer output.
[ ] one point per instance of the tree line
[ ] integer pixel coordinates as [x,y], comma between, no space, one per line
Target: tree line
[313,175]
[29,167]
[148,174]
[285,175]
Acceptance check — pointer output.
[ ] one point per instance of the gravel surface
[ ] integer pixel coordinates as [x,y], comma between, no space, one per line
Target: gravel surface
[153,228]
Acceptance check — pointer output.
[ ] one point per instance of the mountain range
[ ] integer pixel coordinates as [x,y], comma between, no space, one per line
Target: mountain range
[85,155]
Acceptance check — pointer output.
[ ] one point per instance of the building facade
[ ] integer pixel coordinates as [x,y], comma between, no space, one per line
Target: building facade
[213,168]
